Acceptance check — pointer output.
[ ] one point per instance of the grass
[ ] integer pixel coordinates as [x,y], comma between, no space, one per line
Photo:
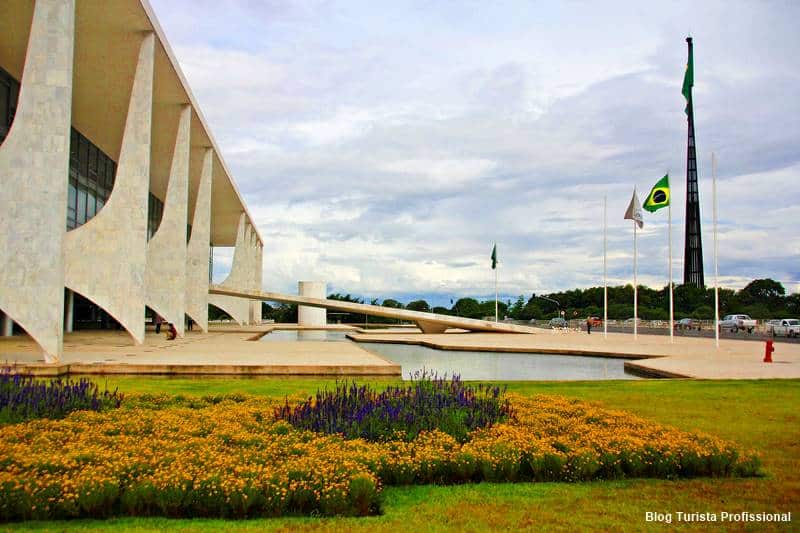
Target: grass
[762,415]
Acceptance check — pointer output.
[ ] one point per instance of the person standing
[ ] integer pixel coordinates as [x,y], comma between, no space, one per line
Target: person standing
[157,320]
[589,325]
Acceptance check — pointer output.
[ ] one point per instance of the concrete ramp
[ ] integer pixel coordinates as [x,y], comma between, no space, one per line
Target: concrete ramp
[427,322]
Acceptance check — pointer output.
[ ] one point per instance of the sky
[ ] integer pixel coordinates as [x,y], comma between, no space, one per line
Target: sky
[383,147]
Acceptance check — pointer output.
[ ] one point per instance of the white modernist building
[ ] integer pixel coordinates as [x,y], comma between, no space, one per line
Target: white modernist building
[113,192]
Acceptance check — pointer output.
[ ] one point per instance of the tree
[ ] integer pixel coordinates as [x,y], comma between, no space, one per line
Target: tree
[515,311]
[766,292]
[419,305]
[467,307]
[703,312]
[487,309]
[390,302]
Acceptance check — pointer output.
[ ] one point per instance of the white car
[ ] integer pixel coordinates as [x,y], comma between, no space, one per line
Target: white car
[785,327]
[734,323]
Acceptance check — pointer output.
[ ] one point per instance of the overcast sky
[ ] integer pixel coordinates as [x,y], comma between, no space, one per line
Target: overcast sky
[384,146]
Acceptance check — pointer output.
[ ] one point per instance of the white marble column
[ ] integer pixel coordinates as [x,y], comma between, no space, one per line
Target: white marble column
[311,316]
[238,278]
[106,257]
[69,319]
[166,251]
[6,326]
[34,165]
[197,249]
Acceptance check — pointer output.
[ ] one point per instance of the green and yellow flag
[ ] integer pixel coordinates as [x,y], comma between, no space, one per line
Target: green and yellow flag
[659,195]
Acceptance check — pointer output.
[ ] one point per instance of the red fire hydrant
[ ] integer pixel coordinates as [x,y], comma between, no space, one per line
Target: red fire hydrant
[768,349]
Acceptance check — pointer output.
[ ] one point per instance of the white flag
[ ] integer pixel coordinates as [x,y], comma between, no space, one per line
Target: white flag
[634,211]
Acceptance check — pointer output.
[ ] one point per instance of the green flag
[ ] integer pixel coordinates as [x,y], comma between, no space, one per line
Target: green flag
[494,257]
[659,195]
[688,78]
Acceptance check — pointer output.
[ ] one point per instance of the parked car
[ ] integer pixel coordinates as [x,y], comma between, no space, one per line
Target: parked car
[629,322]
[784,327]
[595,321]
[687,323]
[734,323]
[558,323]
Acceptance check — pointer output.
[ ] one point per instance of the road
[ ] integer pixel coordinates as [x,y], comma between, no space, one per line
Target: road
[759,337]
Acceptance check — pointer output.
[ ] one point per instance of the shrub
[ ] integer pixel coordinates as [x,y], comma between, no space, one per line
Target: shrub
[429,403]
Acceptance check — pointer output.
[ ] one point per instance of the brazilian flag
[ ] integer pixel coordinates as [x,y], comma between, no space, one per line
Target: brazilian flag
[659,196]
[688,78]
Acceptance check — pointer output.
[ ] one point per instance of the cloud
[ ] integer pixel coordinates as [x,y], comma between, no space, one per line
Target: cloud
[385,148]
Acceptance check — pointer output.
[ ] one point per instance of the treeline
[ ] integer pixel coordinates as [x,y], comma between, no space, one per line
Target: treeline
[761,298]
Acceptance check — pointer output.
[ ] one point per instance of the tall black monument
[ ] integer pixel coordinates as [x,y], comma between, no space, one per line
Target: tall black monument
[693,249]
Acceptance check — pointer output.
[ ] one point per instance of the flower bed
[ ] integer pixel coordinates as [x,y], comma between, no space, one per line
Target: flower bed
[428,403]
[229,457]
[24,397]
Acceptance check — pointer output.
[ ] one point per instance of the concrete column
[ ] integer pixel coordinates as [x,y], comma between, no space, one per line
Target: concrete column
[238,278]
[311,316]
[34,164]
[166,251]
[255,305]
[69,319]
[6,326]
[198,247]
[106,257]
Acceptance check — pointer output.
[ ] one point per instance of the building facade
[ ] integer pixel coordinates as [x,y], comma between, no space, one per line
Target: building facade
[113,192]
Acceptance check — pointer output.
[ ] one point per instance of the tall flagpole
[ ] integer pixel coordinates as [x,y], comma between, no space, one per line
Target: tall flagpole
[671,307]
[605,266]
[495,294]
[635,289]
[716,248]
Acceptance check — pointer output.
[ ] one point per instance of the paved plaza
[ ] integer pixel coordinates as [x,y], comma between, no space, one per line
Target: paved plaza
[235,350]
[229,350]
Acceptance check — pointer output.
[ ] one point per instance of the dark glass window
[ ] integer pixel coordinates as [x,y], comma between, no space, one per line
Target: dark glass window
[72,200]
[81,218]
[91,180]
[5,97]
[9,92]
[155,208]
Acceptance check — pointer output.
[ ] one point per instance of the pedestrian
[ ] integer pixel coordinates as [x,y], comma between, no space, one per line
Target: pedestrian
[172,332]
[157,320]
[189,323]
[589,325]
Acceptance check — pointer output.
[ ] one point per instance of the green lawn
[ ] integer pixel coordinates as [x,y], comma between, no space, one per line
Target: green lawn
[762,415]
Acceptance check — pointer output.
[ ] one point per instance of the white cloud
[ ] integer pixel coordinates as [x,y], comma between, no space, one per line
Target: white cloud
[384,148]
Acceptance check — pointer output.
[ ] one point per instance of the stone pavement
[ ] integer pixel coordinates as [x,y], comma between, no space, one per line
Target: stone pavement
[225,351]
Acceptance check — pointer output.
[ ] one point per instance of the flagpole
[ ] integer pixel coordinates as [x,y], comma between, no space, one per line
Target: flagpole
[716,248]
[605,266]
[495,294]
[635,289]
[671,305]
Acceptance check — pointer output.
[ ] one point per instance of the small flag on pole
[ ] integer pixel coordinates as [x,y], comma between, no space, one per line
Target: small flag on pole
[634,211]
[494,257]
[659,196]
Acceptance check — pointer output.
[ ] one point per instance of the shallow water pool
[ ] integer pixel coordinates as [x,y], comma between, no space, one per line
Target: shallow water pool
[499,366]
